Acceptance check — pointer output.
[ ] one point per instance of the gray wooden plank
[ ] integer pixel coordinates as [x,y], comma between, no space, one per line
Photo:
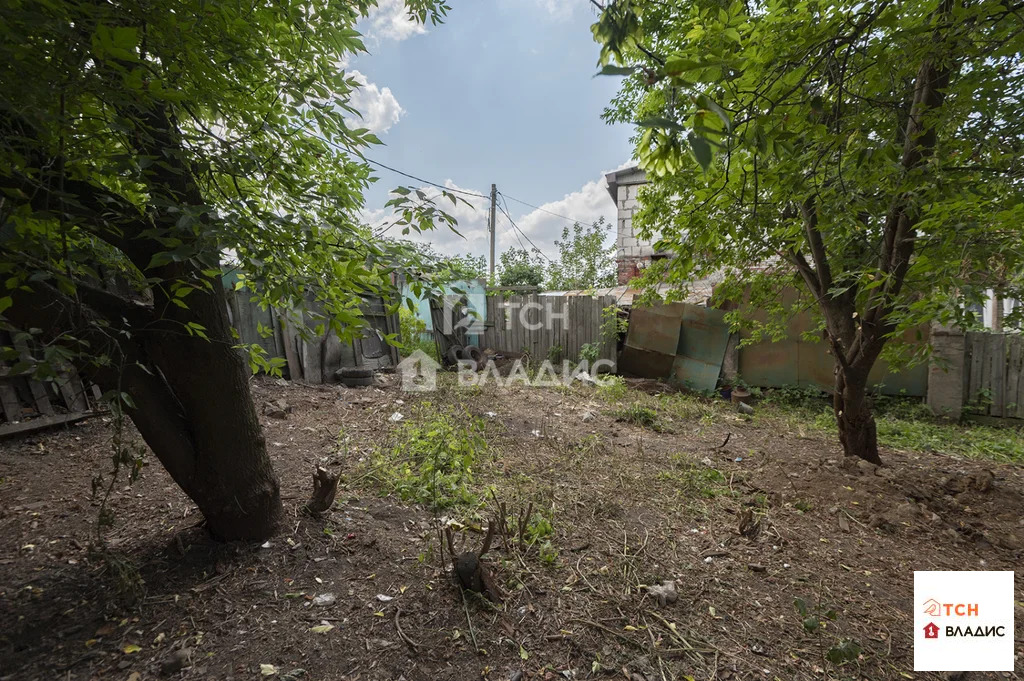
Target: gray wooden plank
[9,402]
[976,343]
[42,422]
[997,344]
[1012,408]
[40,395]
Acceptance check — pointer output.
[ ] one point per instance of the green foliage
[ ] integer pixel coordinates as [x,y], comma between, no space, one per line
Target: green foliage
[519,267]
[612,388]
[444,269]
[143,143]
[904,424]
[584,262]
[431,458]
[864,154]
[590,352]
[638,415]
[413,334]
[613,325]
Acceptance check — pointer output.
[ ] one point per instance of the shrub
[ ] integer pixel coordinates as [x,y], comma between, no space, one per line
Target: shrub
[432,456]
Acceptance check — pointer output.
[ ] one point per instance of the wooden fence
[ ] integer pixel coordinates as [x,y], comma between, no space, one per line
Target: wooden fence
[314,359]
[535,324]
[27,404]
[994,374]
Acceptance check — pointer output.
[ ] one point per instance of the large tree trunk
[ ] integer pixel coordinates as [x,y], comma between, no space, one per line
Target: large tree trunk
[190,397]
[857,432]
[231,478]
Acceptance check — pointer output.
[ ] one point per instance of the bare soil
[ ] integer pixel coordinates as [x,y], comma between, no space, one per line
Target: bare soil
[630,506]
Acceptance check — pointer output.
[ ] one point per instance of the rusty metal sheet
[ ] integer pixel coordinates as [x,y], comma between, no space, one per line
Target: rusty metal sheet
[703,338]
[655,328]
[651,341]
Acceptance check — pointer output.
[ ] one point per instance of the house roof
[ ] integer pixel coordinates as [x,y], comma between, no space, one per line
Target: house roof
[699,291]
[624,176]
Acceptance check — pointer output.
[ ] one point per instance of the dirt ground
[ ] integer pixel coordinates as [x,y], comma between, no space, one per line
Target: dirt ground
[743,528]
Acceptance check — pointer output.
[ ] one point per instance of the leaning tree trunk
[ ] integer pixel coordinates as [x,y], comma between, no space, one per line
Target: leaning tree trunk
[857,432]
[189,396]
[231,477]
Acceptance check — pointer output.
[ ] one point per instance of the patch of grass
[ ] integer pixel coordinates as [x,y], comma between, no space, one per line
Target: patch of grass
[907,424]
[431,458]
[689,407]
[694,479]
[612,388]
[638,415]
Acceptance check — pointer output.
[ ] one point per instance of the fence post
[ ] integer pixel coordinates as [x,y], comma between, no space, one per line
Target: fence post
[946,372]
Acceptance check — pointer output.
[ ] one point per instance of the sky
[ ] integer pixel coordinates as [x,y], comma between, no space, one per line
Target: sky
[503,92]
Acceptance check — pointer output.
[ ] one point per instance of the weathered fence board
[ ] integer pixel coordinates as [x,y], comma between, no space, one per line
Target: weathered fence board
[993,384]
[537,324]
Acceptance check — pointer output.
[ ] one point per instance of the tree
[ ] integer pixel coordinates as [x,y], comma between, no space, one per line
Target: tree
[143,146]
[519,267]
[584,261]
[867,153]
[447,268]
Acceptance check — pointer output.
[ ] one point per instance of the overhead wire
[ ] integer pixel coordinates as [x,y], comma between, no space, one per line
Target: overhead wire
[504,210]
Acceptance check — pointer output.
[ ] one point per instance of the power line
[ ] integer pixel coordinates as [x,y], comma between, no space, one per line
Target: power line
[504,210]
[543,210]
[420,179]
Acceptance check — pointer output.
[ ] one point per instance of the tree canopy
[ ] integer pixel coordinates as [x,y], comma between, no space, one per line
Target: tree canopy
[584,262]
[146,147]
[868,153]
[520,267]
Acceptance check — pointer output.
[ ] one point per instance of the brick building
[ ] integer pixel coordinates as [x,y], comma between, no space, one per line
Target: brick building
[632,254]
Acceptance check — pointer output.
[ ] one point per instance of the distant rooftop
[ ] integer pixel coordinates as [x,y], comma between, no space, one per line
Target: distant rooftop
[624,176]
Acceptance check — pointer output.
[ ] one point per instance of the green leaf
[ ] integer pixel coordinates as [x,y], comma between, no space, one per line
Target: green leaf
[706,102]
[660,122]
[701,150]
[610,70]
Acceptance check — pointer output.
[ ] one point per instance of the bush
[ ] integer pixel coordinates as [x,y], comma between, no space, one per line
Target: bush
[412,332]
[611,388]
[431,460]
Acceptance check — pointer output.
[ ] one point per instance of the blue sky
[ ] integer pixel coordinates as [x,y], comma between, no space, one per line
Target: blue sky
[503,92]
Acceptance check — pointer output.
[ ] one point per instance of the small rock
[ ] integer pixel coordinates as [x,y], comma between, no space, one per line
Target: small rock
[588,416]
[744,408]
[177,661]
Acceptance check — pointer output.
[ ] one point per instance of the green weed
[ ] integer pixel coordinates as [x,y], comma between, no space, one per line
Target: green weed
[612,388]
[432,456]
[638,415]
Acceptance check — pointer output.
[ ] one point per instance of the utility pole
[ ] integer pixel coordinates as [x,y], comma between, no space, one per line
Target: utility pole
[494,203]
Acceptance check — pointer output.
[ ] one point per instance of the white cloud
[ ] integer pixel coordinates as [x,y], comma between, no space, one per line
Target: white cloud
[378,106]
[390,21]
[559,9]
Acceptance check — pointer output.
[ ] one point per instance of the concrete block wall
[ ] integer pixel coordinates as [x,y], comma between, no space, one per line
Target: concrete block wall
[632,252]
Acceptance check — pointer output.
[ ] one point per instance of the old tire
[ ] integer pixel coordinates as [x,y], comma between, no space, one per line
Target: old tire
[454,354]
[354,372]
[474,353]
